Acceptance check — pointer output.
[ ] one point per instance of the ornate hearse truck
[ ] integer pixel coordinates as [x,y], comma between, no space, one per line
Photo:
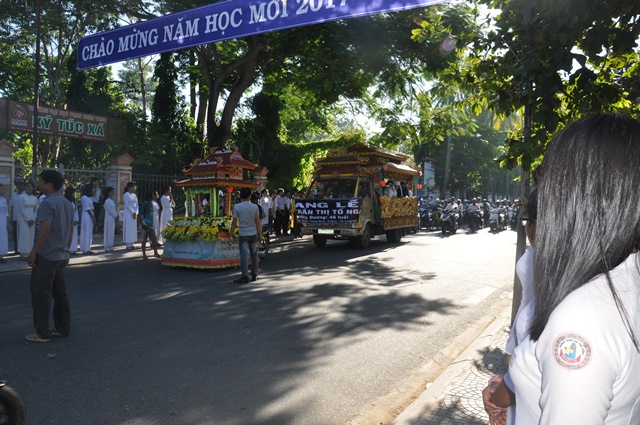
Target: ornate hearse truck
[347,200]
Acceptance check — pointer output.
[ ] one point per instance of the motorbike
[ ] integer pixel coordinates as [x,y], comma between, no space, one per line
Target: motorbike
[263,244]
[474,220]
[497,220]
[12,411]
[449,222]
[513,218]
[426,218]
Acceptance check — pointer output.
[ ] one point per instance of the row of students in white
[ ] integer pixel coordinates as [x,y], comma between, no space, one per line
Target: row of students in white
[130,215]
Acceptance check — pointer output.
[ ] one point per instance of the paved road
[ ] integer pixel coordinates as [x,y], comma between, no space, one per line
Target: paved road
[327,336]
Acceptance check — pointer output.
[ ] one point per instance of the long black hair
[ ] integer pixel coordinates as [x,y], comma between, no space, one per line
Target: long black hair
[588,203]
[106,193]
[88,190]
[69,193]
[128,186]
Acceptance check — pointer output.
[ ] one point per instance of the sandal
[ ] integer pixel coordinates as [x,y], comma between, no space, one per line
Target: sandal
[34,337]
[55,332]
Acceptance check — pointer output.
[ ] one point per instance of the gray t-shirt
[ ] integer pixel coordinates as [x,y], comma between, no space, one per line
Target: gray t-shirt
[246,213]
[59,211]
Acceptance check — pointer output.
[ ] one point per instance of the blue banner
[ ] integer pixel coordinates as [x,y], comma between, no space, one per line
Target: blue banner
[223,21]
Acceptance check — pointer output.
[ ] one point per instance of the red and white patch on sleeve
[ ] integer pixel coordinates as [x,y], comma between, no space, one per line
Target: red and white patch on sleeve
[572,351]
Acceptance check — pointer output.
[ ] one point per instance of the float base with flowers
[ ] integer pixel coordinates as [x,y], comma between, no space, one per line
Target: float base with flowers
[201,239]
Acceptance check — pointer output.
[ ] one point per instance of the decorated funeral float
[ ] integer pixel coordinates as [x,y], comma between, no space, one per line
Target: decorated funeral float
[201,238]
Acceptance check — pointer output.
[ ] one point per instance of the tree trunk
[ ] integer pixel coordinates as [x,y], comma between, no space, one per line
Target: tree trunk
[521,242]
[220,133]
[193,82]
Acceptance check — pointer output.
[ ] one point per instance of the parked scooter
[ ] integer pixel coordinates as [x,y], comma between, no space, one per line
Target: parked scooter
[449,222]
[12,411]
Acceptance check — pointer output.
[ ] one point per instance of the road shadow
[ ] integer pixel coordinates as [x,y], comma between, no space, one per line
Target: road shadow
[157,345]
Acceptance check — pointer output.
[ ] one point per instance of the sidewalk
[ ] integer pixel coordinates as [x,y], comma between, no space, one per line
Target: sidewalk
[119,253]
[455,397]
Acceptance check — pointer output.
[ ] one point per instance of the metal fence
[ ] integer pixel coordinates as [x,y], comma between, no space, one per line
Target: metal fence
[146,183]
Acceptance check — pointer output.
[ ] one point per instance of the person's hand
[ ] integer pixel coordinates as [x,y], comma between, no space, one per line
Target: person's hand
[30,222]
[135,215]
[497,415]
[31,260]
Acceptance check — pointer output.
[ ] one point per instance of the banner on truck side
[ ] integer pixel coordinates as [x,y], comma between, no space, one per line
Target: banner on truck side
[328,211]
[224,20]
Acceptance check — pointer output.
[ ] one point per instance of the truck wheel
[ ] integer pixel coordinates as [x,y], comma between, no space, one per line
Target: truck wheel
[319,241]
[364,240]
[394,235]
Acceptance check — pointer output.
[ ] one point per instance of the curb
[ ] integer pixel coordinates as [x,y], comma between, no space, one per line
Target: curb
[432,406]
[14,264]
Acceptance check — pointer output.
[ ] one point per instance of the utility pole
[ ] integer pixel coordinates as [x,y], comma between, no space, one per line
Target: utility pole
[447,165]
[36,97]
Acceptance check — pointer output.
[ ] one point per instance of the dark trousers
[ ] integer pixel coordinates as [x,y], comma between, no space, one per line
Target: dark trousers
[47,281]
[278,222]
[285,223]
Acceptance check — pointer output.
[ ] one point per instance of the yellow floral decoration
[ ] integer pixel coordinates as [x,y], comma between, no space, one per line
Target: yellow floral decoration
[209,229]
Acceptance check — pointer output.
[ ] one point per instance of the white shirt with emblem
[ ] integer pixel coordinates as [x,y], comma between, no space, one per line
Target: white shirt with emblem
[584,369]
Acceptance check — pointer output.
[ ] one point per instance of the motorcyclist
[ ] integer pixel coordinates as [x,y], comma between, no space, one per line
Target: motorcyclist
[436,210]
[501,213]
[473,212]
[452,205]
[454,209]
[486,208]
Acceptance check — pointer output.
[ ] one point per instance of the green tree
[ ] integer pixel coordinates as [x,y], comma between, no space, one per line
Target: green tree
[172,143]
[558,60]
[552,61]
[93,91]
[138,86]
[62,23]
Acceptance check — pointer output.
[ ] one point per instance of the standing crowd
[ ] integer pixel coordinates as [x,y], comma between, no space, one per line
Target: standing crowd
[18,217]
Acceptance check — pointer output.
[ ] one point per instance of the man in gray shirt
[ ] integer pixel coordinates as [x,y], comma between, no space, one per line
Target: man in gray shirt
[48,259]
[246,216]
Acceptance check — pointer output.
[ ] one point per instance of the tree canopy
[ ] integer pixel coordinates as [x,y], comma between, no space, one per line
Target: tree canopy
[419,75]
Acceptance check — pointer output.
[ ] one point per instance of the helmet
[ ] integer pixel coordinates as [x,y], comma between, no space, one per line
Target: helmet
[484,200]
[453,198]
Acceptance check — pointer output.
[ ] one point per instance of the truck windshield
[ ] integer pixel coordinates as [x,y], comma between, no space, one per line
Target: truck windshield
[332,188]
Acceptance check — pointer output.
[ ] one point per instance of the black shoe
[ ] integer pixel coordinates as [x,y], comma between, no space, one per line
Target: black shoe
[242,280]
[254,278]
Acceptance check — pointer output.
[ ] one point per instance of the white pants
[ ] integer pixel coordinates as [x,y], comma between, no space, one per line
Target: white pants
[109,231]
[73,247]
[86,232]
